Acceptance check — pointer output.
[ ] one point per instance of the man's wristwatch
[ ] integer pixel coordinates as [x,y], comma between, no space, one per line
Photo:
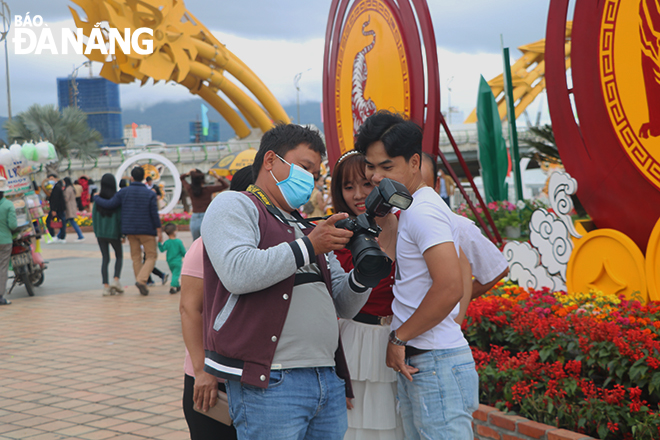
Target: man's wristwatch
[396,341]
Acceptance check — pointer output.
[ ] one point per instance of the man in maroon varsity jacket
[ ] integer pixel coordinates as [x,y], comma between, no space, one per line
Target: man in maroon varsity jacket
[272,292]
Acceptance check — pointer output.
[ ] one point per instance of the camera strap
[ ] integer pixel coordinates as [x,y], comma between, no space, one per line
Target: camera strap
[263,198]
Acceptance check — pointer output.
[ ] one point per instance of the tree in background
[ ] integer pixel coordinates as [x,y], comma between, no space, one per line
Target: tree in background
[542,141]
[68,130]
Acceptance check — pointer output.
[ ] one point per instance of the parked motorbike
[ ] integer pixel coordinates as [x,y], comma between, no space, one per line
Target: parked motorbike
[28,266]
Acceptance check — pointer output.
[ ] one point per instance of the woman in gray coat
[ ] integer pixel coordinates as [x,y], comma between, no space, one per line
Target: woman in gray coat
[71,209]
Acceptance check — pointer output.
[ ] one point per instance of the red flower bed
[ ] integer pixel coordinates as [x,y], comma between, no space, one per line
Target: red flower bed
[178,218]
[584,362]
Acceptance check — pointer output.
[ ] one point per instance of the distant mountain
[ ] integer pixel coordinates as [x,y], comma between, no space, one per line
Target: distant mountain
[170,121]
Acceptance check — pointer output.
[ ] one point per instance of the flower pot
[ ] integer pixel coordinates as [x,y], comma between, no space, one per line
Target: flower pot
[512,231]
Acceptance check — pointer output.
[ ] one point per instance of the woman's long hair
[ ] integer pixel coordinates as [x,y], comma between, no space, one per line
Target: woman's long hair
[108,191]
[349,167]
[67,181]
[196,182]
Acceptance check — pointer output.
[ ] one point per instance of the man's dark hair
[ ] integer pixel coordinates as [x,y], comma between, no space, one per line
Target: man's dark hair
[434,163]
[149,179]
[137,173]
[52,175]
[400,136]
[283,138]
[242,179]
[169,228]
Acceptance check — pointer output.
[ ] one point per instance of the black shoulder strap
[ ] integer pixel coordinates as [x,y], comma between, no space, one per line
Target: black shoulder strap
[263,198]
[299,218]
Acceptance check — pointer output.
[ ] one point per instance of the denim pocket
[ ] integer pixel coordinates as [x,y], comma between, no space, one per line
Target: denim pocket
[468,383]
[276,378]
[425,363]
[334,370]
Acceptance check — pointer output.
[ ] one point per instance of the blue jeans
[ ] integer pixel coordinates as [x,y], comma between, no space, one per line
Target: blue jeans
[439,402]
[61,217]
[196,224]
[301,403]
[72,222]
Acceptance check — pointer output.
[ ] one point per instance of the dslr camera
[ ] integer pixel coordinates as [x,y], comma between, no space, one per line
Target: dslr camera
[370,262]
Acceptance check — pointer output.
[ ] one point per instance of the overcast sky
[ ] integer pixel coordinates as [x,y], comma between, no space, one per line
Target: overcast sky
[279,39]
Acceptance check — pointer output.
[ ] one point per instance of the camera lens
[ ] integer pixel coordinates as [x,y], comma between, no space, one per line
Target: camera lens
[372,265]
[369,260]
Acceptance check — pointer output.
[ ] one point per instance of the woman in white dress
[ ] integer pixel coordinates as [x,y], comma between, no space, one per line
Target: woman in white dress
[372,414]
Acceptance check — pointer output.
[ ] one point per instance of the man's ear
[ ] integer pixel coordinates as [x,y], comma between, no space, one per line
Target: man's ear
[416,162]
[269,159]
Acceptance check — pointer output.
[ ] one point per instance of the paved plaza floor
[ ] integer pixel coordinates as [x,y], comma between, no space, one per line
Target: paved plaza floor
[77,365]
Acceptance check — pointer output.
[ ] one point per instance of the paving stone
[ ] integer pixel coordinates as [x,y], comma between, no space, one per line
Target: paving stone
[104,377]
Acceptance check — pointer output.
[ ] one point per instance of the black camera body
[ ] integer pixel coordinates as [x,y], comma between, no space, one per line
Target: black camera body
[370,262]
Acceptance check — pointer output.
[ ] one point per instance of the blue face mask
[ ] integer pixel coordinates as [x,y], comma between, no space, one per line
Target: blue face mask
[52,182]
[297,188]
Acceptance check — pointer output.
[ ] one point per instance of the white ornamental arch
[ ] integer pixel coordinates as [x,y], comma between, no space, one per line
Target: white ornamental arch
[161,159]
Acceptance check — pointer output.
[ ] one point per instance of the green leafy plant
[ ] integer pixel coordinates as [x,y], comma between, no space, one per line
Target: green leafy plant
[504,213]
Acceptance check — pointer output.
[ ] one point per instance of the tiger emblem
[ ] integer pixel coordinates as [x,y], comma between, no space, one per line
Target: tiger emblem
[362,107]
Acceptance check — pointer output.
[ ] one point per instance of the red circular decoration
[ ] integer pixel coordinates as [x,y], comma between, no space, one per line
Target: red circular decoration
[610,185]
[416,89]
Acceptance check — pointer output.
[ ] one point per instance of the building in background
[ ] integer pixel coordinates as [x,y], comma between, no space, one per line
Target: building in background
[140,136]
[99,99]
[197,133]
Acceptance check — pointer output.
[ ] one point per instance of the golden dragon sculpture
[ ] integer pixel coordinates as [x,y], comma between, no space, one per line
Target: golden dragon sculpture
[185,52]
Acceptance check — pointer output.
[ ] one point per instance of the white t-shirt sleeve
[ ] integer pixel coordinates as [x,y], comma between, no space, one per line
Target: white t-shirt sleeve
[485,258]
[430,226]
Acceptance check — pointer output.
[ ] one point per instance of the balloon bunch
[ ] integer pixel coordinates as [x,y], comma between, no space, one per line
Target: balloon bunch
[26,156]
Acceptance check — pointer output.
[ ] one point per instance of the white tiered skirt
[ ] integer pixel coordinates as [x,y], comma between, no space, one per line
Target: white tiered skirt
[374,415]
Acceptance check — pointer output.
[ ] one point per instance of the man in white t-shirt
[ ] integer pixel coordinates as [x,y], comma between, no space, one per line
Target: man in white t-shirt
[438,383]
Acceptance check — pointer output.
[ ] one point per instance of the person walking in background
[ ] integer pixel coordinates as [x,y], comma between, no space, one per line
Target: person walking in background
[318,199]
[107,228]
[84,182]
[54,201]
[175,250]
[164,276]
[140,223]
[449,186]
[7,224]
[71,210]
[155,188]
[200,197]
[78,190]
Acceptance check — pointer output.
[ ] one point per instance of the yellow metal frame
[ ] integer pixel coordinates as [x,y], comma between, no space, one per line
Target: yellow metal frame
[527,76]
[185,52]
